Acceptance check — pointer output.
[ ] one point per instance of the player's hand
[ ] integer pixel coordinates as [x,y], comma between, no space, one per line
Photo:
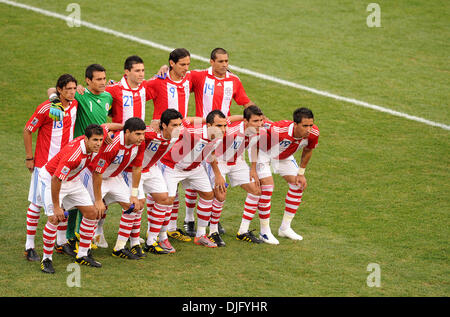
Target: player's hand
[58,212]
[300,180]
[80,89]
[219,184]
[30,165]
[254,177]
[162,72]
[154,125]
[56,112]
[137,204]
[111,82]
[109,137]
[100,208]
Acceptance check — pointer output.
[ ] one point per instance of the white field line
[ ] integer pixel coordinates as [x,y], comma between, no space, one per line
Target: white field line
[236,68]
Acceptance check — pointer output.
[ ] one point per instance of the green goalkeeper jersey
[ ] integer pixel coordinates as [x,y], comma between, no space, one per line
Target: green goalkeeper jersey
[92,109]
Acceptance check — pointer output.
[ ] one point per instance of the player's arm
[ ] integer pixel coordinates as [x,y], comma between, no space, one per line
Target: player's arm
[58,212]
[98,200]
[28,142]
[300,179]
[135,179]
[234,118]
[253,158]
[219,181]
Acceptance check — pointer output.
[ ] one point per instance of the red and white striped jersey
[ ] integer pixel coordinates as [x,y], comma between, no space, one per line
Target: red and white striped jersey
[234,143]
[278,142]
[156,146]
[168,94]
[52,135]
[192,147]
[127,102]
[114,158]
[212,93]
[70,161]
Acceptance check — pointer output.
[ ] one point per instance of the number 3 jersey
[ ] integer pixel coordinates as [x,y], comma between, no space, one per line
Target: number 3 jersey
[52,135]
[114,158]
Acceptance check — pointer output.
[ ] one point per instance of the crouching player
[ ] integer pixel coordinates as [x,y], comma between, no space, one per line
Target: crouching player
[61,188]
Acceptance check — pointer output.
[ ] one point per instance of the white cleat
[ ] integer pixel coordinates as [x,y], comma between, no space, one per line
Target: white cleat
[100,241]
[268,238]
[289,233]
[141,241]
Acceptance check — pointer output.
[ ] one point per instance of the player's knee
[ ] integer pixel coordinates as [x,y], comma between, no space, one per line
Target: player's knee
[207,195]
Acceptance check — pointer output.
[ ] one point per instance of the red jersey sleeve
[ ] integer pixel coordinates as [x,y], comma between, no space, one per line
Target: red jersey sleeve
[240,96]
[39,117]
[151,90]
[313,138]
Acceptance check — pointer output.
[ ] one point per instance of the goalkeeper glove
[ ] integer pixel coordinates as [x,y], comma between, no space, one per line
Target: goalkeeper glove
[56,109]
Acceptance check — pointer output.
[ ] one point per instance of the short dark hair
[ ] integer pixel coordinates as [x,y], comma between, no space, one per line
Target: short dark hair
[217,50]
[178,54]
[134,124]
[168,115]
[301,113]
[252,110]
[93,68]
[63,80]
[131,60]
[93,129]
[210,117]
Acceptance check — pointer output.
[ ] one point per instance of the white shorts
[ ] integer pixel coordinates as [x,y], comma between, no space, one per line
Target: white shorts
[195,179]
[71,195]
[286,167]
[114,189]
[33,196]
[238,174]
[151,182]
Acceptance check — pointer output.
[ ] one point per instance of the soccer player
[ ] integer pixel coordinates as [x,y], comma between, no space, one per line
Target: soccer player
[277,147]
[182,164]
[107,185]
[52,136]
[231,163]
[94,105]
[62,189]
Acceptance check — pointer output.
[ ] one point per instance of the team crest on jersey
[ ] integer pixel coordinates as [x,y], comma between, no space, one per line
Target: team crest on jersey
[35,121]
[65,170]
[228,91]
[101,162]
[107,107]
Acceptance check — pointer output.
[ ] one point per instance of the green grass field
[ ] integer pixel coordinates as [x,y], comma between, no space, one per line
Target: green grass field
[378,185]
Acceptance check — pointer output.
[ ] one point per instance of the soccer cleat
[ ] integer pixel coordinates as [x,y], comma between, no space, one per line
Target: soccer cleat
[289,233]
[217,239]
[165,244]
[65,249]
[125,254]
[32,255]
[47,266]
[205,241]
[189,227]
[136,250]
[100,241]
[73,244]
[221,229]
[154,248]
[249,237]
[268,238]
[179,235]
[88,260]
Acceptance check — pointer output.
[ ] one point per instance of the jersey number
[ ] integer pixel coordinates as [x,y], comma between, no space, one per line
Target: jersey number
[127,101]
[153,146]
[57,124]
[118,159]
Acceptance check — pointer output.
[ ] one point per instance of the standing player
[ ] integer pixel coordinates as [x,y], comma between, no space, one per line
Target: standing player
[61,189]
[172,92]
[52,136]
[107,184]
[276,148]
[94,105]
